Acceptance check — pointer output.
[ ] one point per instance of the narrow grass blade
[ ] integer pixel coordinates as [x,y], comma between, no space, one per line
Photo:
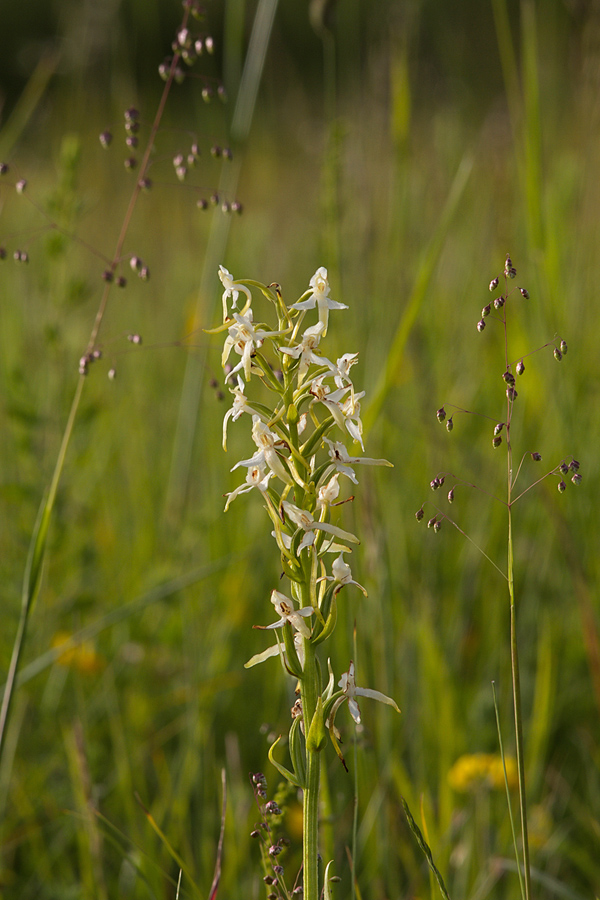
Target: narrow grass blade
[425,849]
[419,292]
[33,568]
[189,405]
[171,850]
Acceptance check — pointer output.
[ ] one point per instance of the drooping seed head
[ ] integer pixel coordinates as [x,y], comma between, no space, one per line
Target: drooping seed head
[520,367]
[564,469]
[486,310]
[511,392]
[106,139]
[574,465]
[561,487]
[431,523]
[496,441]
[563,347]
[451,495]
[509,377]
[481,325]
[441,414]
[499,302]
[494,283]
[437,525]
[536,457]
[272,808]
[557,354]
[449,424]
[498,428]
[576,479]
[525,293]
[419,514]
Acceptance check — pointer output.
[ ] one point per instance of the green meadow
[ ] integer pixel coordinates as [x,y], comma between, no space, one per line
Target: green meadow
[408,149]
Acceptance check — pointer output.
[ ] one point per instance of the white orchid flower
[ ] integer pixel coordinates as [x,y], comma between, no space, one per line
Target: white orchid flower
[341,370]
[240,405]
[345,410]
[245,339]
[303,519]
[257,477]
[306,350]
[328,493]
[320,298]
[266,454]
[351,411]
[342,575]
[350,692]
[232,289]
[278,650]
[343,462]
[285,608]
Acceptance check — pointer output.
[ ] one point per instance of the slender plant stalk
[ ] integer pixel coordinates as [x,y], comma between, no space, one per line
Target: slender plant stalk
[309,689]
[516,686]
[514,651]
[33,569]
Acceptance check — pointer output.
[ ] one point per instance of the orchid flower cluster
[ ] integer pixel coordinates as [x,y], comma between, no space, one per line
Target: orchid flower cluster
[299,468]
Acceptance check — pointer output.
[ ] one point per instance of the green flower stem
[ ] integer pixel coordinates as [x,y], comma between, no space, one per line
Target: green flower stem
[514,650]
[309,691]
[516,685]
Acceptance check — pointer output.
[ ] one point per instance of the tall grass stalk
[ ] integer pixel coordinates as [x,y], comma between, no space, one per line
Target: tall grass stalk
[498,311]
[189,402]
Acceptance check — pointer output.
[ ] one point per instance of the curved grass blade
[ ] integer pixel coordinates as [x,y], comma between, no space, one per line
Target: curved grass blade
[425,849]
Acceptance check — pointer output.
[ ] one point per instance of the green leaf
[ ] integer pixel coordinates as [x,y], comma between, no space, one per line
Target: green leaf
[297,751]
[317,736]
[281,768]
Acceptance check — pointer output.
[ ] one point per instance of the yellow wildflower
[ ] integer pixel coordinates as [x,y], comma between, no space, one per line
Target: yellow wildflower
[81,656]
[482,770]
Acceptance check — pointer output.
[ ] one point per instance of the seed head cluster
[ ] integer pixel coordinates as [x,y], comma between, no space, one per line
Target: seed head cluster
[500,306]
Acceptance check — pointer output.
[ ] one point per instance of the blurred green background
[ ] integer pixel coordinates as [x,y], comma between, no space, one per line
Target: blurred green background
[406,146]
